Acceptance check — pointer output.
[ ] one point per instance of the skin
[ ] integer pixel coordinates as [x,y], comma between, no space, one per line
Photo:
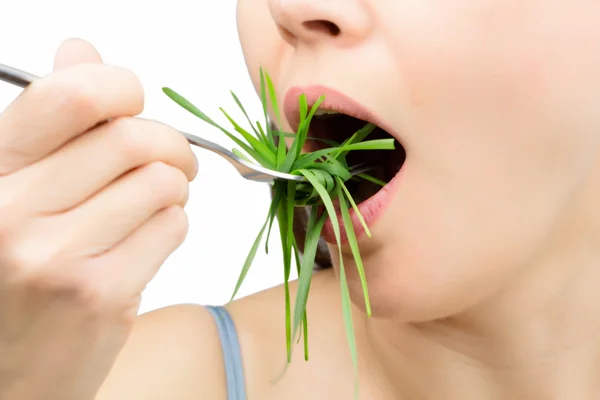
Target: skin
[483,274]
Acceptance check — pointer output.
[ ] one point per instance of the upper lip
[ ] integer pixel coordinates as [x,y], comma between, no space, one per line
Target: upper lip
[333,101]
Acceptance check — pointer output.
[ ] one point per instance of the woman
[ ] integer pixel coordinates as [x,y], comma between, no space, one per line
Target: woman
[483,268]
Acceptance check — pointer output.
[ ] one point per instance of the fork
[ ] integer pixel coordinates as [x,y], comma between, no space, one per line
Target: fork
[246,169]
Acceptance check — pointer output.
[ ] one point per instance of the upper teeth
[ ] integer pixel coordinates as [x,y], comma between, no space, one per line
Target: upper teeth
[325,112]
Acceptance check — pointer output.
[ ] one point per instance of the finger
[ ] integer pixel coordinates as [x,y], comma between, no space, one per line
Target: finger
[61,106]
[127,268]
[105,279]
[92,161]
[119,209]
[75,51]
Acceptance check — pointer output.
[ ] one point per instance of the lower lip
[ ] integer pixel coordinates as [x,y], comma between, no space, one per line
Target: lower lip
[371,210]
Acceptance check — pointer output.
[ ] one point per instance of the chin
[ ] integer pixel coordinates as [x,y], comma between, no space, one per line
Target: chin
[408,288]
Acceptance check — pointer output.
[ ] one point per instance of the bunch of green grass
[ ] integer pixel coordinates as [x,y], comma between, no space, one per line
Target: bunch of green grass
[326,172]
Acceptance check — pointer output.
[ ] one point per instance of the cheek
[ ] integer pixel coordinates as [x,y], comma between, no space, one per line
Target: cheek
[501,123]
[252,31]
[261,43]
[502,135]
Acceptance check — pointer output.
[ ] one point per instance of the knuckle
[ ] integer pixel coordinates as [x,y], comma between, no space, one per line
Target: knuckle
[9,212]
[130,140]
[179,140]
[28,256]
[86,294]
[83,292]
[186,155]
[136,92]
[170,185]
[44,273]
[69,94]
[179,223]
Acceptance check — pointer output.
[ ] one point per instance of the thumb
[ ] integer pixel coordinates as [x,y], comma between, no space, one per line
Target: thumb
[75,51]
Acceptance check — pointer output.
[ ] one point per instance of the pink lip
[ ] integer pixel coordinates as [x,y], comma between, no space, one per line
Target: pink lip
[334,101]
[373,208]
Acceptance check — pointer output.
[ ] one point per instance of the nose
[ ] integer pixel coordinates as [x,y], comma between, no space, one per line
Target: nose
[309,21]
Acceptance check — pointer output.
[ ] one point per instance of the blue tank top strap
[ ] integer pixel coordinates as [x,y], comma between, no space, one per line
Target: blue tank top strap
[232,355]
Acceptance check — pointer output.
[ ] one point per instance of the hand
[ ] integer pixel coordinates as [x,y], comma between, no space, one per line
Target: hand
[89,211]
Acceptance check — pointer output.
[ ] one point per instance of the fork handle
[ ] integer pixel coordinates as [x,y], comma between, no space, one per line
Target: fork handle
[15,76]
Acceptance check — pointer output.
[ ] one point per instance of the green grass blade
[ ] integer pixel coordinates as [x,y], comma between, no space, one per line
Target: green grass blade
[289,225]
[349,324]
[301,295]
[263,98]
[249,260]
[300,137]
[310,176]
[346,302]
[241,107]
[332,169]
[305,334]
[371,179]
[311,158]
[305,318]
[187,105]
[307,266]
[302,130]
[262,152]
[325,180]
[302,133]
[291,195]
[375,144]
[242,155]
[289,247]
[326,171]
[262,133]
[355,207]
[308,159]
[303,106]
[283,232]
[291,156]
[277,196]
[339,162]
[281,155]
[358,137]
[291,135]
[351,235]
[311,242]
[273,97]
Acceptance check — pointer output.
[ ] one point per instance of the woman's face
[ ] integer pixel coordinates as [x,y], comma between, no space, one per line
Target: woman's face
[497,105]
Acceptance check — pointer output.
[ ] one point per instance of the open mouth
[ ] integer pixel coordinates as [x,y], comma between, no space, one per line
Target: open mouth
[385,164]
[336,120]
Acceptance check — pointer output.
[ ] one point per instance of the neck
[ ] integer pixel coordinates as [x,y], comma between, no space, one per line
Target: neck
[538,339]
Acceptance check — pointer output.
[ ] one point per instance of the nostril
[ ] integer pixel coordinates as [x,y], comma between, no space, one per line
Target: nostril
[323,26]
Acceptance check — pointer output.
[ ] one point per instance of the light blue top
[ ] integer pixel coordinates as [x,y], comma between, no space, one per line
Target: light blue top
[232,355]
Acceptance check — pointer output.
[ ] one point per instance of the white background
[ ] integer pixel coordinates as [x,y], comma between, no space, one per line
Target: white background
[191,46]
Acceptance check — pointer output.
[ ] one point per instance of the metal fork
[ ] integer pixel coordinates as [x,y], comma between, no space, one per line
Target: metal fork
[246,169]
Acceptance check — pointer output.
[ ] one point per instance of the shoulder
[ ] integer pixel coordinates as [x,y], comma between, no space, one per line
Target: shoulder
[171,353]
[260,320]
[175,352]
[265,311]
